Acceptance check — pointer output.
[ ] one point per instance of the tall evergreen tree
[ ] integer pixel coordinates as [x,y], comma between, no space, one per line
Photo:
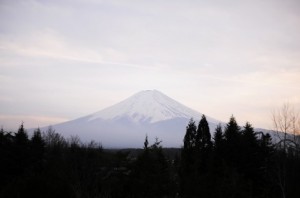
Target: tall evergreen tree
[250,161]
[249,134]
[188,159]
[218,146]
[21,150]
[21,137]
[203,137]
[203,145]
[189,143]
[189,140]
[218,152]
[232,144]
[37,147]
[203,158]
[37,141]
[232,130]
[218,138]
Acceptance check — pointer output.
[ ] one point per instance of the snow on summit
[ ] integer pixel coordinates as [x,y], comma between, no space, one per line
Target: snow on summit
[147,106]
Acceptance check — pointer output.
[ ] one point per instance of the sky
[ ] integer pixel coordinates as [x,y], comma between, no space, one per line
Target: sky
[63,59]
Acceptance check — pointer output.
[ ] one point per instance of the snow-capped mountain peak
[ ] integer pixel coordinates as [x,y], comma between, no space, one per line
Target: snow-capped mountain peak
[126,123]
[147,106]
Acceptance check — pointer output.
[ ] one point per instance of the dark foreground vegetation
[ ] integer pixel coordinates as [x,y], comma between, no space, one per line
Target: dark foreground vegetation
[235,162]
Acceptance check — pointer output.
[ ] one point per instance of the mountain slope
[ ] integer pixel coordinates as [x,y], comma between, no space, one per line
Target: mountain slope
[147,106]
[127,123]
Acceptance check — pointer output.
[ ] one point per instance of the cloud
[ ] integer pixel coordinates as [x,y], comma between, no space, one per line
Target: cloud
[47,43]
[11,122]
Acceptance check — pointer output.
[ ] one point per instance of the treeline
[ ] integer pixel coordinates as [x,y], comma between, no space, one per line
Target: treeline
[235,162]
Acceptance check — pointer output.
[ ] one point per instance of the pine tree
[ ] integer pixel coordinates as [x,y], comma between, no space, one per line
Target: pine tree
[255,160]
[232,130]
[37,146]
[203,137]
[218,153]
[218,138]
[188,151]
[249,134]
[190,136]
[249,146]
[218,146]
[203,145]
[203,155]
[37,140]
[21,137]
[232,144]
[250,161]
[188,161]
[21,144]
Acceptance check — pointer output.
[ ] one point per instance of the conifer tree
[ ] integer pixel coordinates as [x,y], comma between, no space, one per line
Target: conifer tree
[249,144]
[203,145]
[218,146]
[203,137]
[21,144]
[189,142]
[232,130]
[21,137]
[249,134]
[232,143]
[37,146]
[218,138]
[203,158]
[188,161]
[37,139]
[218,151]
[190,135]
[250,161]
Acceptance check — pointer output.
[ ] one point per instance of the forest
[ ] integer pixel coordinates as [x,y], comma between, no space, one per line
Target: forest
[233,162]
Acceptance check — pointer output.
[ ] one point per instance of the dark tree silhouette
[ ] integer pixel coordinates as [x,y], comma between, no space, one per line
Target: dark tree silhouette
[151,173]
[237,163]
[37,148]
[190,136]
[232,131]
[203,137]
[218,139]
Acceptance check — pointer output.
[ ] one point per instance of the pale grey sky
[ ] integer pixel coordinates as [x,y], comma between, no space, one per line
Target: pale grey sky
[64,59]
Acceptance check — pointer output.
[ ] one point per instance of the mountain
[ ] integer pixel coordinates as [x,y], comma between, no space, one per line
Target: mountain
[126,124]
